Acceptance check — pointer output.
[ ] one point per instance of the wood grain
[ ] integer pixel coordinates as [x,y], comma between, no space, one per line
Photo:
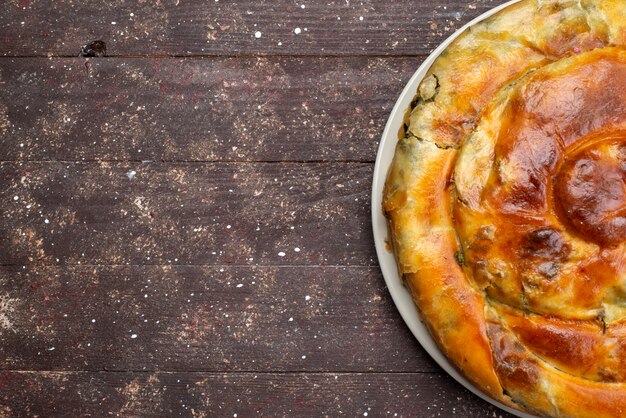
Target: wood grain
[186,222]
[179,27]
[133,394]
[197,110]
[210,214]
[190,318]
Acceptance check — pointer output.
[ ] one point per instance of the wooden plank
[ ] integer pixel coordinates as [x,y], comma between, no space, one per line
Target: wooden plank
[238,395]
[197,110]
[211,214]
[192,27]
[182,318]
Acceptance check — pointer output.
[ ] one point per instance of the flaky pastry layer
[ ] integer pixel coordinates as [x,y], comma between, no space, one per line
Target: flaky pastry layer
[506,202]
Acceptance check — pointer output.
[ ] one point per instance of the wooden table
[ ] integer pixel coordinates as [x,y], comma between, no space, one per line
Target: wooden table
[186,222]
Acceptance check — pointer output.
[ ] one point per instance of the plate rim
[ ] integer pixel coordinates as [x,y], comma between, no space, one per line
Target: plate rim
[400,295]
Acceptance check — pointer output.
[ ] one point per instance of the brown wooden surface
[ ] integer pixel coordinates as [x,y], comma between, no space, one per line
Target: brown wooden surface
[209,318]
[218,28]
[201,394]
[186,223]
[186,213]
[291,109]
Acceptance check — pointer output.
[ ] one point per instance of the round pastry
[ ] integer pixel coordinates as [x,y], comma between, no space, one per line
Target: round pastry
[506,202]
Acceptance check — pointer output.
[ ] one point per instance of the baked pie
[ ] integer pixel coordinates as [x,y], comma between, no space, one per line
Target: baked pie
[506,203]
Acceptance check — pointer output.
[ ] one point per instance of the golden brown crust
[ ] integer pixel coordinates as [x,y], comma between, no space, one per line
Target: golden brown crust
[430,271]
[506,202]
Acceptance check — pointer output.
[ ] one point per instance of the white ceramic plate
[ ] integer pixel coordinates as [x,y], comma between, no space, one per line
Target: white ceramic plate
[399,293]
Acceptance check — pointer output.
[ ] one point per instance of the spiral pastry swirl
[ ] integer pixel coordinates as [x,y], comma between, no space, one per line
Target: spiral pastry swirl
[506,201]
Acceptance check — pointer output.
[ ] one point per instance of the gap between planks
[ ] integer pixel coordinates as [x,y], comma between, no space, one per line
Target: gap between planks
[289,266]
[113,161]
[213,57]
[244,372]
